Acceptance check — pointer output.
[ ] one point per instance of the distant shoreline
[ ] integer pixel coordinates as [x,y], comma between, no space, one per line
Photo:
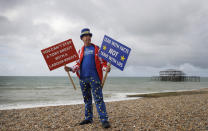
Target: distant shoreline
[124,97]
[174,93]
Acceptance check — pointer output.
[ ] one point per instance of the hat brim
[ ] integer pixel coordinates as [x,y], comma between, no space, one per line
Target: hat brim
[85,34]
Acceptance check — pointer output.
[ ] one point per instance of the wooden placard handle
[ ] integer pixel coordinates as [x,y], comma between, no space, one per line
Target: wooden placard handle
[106,74]
[71,79]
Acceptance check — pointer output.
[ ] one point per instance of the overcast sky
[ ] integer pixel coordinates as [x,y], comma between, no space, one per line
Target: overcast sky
[163,34]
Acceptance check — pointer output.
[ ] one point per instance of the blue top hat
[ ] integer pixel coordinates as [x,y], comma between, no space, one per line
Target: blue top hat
[85,31]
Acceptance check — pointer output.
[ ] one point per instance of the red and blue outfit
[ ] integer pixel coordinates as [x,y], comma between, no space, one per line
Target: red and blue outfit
[89,69]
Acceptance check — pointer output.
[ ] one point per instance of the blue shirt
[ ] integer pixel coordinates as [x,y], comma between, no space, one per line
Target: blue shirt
[88,66]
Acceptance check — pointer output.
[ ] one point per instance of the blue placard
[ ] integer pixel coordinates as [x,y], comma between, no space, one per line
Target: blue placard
[114,52]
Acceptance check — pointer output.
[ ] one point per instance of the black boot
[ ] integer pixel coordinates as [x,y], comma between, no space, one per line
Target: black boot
[85,122]
[105,124]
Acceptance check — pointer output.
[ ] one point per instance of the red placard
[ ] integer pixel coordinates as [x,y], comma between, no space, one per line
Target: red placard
[60,54]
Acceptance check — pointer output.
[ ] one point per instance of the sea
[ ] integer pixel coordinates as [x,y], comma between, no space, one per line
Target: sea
[18,92]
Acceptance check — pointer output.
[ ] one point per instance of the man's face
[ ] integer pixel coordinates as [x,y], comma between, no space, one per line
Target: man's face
[86,39]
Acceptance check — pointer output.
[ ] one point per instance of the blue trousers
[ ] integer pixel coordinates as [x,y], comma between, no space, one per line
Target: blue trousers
[89,85]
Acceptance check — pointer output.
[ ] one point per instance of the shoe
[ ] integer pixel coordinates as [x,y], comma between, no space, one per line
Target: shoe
[85,122]
[105,124]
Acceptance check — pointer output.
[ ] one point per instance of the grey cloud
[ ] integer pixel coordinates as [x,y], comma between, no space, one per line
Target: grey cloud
[8,4]
[160,32]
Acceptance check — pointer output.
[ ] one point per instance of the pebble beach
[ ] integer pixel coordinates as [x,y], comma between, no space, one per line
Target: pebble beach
[185,111]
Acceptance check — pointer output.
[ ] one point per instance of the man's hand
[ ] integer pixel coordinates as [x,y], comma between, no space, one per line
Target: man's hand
[67,69]
[108,68]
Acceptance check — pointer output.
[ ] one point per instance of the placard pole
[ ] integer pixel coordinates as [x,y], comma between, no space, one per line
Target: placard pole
[106,74]
[71,79]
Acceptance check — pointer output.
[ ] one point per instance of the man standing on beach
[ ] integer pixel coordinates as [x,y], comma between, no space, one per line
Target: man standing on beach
[89,70]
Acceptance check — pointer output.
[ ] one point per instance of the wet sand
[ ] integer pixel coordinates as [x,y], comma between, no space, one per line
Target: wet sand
[166,111]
